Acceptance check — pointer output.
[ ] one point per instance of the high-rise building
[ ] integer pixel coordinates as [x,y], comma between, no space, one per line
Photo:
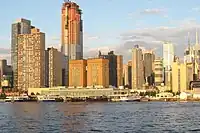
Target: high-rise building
[53,68]
[98,73]
[168,55]
[158,71]
[149,57]
[77,73]
[72,31]
[31,60]
[21,26]
[71,36]
[115,68]
[127,75]
[119,70]
[137,68]
[179,77]
[168,59]
[192,57]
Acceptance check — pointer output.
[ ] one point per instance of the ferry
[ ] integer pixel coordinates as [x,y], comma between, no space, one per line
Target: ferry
[130,98]
[46,98]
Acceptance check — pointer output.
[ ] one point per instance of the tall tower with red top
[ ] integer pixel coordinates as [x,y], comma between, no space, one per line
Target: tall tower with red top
[72,31]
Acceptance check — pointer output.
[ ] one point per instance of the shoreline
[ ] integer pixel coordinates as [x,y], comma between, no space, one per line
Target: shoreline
[97,101]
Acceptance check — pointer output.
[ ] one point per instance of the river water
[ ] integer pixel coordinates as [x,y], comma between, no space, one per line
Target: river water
[139,117]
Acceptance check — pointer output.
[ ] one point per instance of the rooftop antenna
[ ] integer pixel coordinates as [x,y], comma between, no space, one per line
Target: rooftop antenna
[189,47]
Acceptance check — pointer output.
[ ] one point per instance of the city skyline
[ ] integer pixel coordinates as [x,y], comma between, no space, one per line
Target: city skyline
[169,25]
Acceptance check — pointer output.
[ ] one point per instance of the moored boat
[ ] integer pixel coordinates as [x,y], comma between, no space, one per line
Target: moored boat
[130,98]
[46,98]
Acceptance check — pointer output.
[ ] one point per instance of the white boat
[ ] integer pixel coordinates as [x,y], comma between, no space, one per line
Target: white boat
[46,98]
[129,98]
[14,99]
[9,99]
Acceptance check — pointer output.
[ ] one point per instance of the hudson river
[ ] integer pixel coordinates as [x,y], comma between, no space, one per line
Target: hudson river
[155,117]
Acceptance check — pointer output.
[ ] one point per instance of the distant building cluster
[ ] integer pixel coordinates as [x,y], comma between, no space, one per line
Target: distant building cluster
[34,66]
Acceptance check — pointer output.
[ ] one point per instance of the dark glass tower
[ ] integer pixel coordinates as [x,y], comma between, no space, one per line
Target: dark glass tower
[21,26]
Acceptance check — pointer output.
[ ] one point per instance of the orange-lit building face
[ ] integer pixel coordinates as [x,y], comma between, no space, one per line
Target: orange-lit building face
[119,70]
[77,73]
[98,72]
[72,31]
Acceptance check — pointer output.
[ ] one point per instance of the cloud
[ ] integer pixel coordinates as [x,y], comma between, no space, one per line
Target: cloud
[152,38]
[4,38]
[152,11]
[88,37]
[53,41]
[196,9]
[55,38]
[5,51]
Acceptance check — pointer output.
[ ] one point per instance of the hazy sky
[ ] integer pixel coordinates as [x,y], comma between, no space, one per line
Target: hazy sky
[108,24]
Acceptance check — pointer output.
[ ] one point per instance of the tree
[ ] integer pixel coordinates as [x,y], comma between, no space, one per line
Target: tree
[142,93]
[2,96]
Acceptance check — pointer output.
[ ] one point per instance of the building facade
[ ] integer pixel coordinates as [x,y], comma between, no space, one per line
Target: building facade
[137,68]
[53,67]
[31,60]
[72,31]
[179,77]
[158,71]
[168,59]
[98,73]
[125,75]
[119,70]
[6,74]
[168,55]
[115,68]
[112,67]
[77,73]
[192,57]
[21,26]
[149,58]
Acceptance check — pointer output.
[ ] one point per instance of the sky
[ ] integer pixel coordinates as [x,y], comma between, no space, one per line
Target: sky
[109,24]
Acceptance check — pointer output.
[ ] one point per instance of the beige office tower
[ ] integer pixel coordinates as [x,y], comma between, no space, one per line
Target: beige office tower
[53,67]
[179,77]
[119,70]
[31,49]
[158,71]
[137,68]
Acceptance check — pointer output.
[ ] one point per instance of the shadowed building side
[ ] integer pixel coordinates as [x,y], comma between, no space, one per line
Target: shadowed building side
[112,67]
[119,70]
[53,67]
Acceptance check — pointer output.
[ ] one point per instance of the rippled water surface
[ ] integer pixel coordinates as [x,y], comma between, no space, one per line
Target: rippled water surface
[99,117]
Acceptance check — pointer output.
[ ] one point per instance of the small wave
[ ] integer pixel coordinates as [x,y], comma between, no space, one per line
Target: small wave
[96,130]
[195,130]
